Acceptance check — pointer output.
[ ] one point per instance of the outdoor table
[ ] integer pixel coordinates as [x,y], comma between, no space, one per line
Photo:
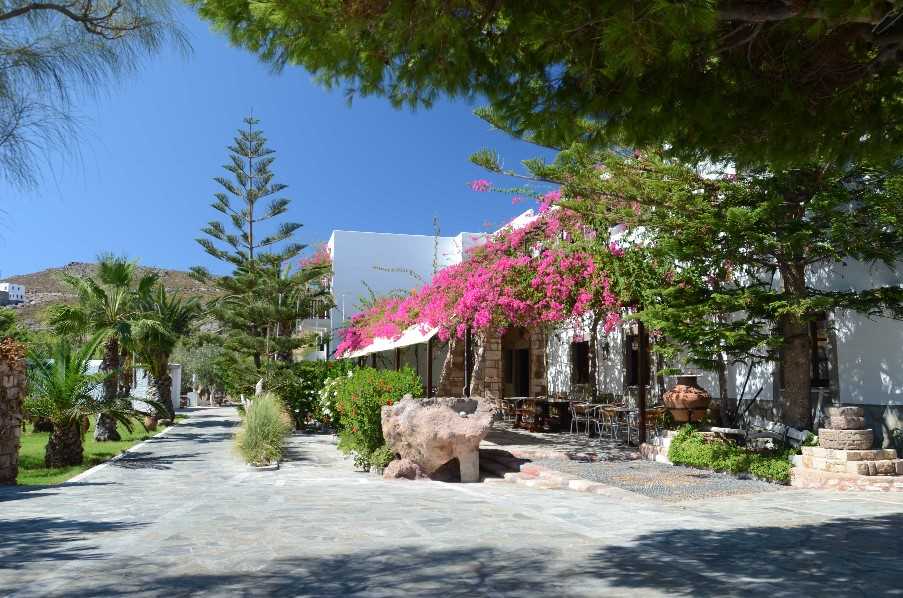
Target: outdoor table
[551,410]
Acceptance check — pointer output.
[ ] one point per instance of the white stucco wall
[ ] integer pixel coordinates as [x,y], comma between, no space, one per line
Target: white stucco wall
[384,262]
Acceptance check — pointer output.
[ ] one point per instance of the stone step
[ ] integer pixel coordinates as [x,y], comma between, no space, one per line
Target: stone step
[845,482]
[841,455]
[879,467]
[542,483]
[886,467]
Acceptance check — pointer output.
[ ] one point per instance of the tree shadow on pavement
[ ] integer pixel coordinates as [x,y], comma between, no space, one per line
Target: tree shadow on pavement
[841,557]
[403,570]
[149,460]
[11,493]
[46,540]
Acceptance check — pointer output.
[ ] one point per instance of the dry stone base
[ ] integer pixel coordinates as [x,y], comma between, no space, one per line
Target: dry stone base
[846,439]
[846,423]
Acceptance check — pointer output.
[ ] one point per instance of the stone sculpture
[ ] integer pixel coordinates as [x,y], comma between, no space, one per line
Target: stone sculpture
[432,432]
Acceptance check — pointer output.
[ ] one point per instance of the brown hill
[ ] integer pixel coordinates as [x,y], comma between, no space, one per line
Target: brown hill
[46,287]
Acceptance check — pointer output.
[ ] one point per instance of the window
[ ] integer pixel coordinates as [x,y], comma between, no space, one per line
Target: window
[821,347]
[580,362]
[632,361]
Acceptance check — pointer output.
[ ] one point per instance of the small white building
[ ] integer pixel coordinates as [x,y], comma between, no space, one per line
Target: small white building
[140,382]
[15,292]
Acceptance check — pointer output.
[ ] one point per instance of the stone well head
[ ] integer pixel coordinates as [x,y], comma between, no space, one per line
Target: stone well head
[433,432]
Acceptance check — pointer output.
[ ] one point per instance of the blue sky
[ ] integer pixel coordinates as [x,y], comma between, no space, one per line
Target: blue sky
[151,144]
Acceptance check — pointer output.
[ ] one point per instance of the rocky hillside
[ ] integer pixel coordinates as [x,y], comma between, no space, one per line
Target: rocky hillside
[46,287]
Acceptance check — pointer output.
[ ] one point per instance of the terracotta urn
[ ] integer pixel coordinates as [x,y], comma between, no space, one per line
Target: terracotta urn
[150,422]
[687,401]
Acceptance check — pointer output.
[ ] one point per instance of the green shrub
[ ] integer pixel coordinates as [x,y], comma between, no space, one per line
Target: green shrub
[266,423]
[359,398]
[382,456]
[689,447]
[299,386]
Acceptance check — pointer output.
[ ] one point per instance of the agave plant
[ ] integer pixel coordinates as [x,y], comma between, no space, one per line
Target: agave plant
[63,390]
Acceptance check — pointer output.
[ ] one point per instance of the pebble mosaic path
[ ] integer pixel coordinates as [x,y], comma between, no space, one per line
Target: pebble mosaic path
[658,481]
[182,516]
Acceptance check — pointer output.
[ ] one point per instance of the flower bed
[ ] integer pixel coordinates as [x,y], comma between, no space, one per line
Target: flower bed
[689,447]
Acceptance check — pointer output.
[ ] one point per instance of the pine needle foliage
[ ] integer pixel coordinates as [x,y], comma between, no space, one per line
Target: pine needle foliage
[263,297]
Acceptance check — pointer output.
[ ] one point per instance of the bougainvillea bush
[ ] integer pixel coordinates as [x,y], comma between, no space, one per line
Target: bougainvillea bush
[359,397]
[538,273]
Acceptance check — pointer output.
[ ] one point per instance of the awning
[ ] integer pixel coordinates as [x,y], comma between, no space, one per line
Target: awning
[414,335]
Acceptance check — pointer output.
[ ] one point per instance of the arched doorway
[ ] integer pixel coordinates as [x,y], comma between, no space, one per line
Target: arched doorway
[516,363]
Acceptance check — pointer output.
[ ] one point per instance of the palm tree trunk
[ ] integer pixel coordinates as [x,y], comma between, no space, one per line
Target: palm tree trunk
[160,389]
[163,385]
[105,428]
[65,445]
[12,393]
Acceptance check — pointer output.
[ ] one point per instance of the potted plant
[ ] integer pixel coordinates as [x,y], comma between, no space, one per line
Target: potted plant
[687,401]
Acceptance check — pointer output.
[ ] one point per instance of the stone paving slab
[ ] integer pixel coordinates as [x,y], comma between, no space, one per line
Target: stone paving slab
[187,518]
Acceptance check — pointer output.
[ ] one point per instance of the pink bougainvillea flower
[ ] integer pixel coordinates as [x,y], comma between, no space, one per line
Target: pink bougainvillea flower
[522,276]
[615,249]
[480,185]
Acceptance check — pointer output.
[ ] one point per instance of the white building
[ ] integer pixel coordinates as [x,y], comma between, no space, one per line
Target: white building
[855,360]
[139,385]
[15,292]
[367,265]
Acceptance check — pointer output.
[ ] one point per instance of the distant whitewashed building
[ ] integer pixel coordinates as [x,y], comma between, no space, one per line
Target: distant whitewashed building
[15,293]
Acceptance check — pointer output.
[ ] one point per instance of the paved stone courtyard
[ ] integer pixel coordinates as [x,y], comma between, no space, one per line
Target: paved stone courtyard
[183,516]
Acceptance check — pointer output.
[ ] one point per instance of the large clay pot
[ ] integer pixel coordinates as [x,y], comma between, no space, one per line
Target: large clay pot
[150,422]
[687,401]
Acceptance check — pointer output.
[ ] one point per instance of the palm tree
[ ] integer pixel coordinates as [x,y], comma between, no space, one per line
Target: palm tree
[62,389]
[107,306]
[164,320]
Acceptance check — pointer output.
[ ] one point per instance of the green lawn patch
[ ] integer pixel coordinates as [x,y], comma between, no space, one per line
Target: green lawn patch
[689,447]
[31,454]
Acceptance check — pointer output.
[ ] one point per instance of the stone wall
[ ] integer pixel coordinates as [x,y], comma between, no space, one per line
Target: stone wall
[488,367]
[451,381]
[12,393]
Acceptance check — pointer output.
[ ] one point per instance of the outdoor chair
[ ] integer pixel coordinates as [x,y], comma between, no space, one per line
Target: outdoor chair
[580,413]
[610,421]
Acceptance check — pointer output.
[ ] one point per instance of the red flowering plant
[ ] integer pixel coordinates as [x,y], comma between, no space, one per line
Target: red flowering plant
[360,396]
